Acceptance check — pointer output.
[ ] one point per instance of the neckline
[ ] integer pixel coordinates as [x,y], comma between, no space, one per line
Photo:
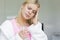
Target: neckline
[20,26]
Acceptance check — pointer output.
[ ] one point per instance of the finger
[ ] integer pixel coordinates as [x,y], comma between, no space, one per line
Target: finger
[37,14]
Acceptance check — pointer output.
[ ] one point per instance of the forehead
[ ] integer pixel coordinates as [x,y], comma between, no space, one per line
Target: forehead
[33,6]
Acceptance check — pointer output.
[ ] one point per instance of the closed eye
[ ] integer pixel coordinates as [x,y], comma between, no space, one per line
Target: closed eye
[29,8]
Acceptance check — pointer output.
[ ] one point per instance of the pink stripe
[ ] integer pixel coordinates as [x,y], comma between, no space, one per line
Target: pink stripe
[16,29]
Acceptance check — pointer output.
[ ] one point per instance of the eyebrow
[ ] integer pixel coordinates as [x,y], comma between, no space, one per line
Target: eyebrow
[31,8]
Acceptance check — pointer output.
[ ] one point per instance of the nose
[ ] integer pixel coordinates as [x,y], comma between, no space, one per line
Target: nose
[30,12]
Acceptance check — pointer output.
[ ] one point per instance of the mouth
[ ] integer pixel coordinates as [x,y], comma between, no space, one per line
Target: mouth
[27,15]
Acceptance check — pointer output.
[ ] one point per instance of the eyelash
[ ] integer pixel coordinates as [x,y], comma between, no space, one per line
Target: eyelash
[29,8]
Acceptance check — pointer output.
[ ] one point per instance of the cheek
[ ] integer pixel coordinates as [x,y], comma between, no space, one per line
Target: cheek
[25,10]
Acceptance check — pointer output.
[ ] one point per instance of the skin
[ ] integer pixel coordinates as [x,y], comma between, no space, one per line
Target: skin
[28,11]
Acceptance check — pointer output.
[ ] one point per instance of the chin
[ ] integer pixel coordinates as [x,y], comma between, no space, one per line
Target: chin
[27,18]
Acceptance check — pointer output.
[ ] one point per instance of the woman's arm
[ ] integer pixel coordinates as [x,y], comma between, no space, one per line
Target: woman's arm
[2,36]
[6,32]
[39,36]
[37,33]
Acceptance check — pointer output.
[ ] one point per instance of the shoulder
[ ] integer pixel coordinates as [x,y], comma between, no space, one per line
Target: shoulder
[35,27]
[7,29]
[5,24]
[38,25]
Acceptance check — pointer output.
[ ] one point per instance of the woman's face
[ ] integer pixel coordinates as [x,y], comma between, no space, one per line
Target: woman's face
[29,11]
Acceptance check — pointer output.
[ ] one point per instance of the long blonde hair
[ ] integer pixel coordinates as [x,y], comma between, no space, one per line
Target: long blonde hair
[33,2]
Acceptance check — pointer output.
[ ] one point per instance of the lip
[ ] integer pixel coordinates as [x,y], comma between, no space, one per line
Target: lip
[27,15]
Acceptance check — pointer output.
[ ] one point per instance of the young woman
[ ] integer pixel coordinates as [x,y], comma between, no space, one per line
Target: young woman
[25,26]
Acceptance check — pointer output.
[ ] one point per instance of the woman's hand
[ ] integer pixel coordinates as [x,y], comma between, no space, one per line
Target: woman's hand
[24,34]
[35,19]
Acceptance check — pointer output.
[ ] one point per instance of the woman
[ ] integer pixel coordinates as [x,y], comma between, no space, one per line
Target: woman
[25,26]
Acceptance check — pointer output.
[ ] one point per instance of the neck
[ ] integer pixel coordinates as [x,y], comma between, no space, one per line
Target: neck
[22,21]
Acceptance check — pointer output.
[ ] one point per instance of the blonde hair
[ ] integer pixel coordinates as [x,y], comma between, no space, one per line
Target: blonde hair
[32,1]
